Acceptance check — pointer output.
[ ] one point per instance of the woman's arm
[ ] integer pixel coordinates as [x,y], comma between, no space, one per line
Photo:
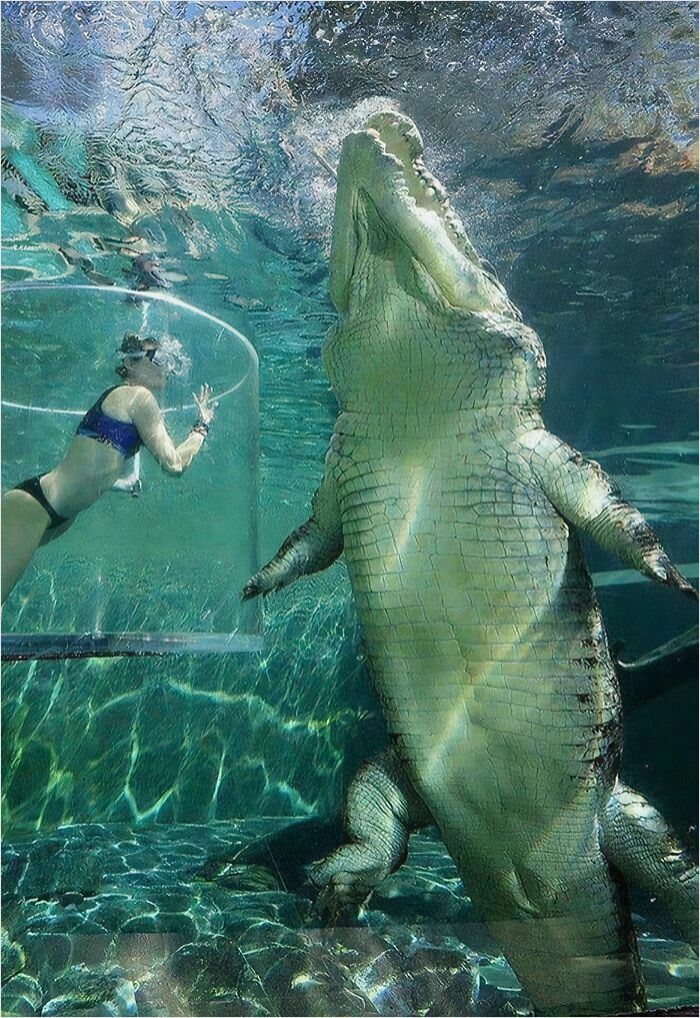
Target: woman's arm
[130,479]
[148,418]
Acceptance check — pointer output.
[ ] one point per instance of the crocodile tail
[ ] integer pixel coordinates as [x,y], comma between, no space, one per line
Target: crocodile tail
[638,841]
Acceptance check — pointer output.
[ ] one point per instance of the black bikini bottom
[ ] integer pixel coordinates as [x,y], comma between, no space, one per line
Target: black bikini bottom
[33,487]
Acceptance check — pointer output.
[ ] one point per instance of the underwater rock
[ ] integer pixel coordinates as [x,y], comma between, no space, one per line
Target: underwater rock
[212,973]
[263,944]
[13,864]
[112,910]
[242,943]
[303,989]
[278,908]
[55,866]
[402,974]
[96,993]
[218,963]
[162,922]
[295,974]
[499,974]
[48,952]
[68,921]
[12,958]
[377,967]
[459,997]
[21,995]
[443,979]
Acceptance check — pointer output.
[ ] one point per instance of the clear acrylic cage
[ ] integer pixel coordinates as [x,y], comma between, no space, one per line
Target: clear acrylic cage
[156,573]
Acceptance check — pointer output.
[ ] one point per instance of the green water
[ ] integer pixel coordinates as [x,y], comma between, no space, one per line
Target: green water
[566,135]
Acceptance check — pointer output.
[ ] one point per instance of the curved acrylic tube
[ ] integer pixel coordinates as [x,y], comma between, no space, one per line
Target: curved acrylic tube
[157,574]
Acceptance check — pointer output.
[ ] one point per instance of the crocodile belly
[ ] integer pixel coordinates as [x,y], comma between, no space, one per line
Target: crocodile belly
[484,641]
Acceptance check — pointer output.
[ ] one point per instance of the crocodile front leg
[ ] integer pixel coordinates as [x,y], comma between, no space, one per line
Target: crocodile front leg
[313,546]
[637,840]
[381,809]
[581,491]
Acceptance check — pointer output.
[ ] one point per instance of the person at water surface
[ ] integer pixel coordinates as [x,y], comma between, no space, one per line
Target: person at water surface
[110,434]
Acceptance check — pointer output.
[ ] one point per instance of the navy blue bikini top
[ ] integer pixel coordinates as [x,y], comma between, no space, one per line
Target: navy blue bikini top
[121,435]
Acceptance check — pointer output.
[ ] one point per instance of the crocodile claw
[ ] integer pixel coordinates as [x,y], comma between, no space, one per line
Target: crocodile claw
[254,588]
[657,566]
[672,578]
[334,905]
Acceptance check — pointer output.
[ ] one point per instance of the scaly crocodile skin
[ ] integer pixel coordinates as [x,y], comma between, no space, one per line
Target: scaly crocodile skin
[456,510]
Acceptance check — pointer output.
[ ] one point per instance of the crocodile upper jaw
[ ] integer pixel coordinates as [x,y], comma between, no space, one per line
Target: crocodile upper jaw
[382,166]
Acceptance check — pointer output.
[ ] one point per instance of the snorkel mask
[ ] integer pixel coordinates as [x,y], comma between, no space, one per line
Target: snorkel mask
[165,352]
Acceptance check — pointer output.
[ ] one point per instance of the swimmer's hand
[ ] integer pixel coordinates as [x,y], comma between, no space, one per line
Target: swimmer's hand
[130,481]
[129,485]
[205,408]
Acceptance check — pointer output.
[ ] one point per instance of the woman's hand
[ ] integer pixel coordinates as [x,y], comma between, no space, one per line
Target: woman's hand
[205,408]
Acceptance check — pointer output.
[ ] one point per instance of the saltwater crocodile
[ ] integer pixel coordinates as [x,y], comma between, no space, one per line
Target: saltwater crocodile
[457,512]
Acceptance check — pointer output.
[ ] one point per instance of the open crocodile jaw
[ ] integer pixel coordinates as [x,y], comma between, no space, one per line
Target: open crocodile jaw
[382,166]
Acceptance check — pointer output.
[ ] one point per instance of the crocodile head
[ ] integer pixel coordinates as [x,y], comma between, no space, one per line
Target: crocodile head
[385,189]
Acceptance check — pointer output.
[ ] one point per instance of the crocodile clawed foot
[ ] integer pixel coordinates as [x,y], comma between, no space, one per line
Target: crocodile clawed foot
[258,585]
[686,588]
[676,579]
[335,909]
[658,567]
[342,892]
[251,589]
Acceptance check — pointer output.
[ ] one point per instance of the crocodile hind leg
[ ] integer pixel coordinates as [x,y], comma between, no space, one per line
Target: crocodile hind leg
[637,841]
[576,953]
[381,809]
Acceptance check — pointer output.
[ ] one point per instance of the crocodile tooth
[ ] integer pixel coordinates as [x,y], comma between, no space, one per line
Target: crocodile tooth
[439,189]
[415,145]
[401,127]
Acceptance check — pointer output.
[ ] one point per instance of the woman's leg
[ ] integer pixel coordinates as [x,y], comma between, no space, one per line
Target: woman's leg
[55,532]
[23,524]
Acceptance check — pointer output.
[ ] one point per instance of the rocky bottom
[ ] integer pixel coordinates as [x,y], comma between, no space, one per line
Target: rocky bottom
[215,920]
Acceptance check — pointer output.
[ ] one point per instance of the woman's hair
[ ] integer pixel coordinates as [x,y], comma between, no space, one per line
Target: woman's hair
[133,343]
[171,354]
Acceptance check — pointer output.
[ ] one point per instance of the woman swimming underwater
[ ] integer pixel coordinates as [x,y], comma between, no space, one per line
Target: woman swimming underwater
[111,432]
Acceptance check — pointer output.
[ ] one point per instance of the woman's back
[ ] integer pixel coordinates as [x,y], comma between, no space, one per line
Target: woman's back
[95,457]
